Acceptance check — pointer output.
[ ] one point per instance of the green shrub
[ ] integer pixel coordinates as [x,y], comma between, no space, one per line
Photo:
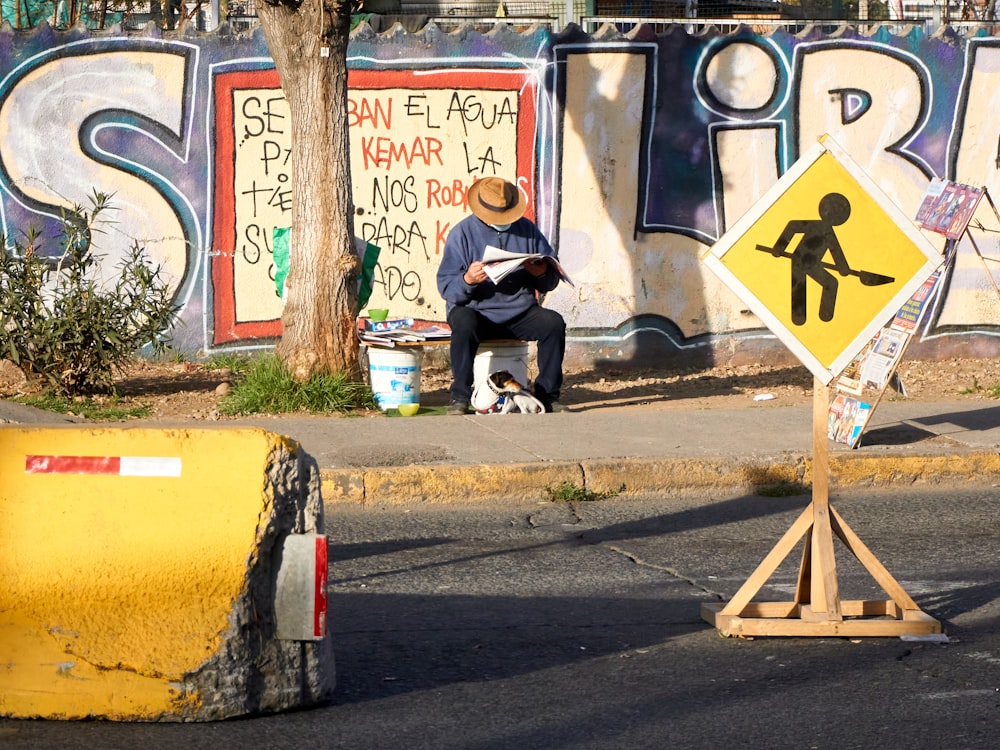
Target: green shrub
[267,387]
[58,323]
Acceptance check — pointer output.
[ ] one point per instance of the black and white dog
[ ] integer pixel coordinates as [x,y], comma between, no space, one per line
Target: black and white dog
[500,393]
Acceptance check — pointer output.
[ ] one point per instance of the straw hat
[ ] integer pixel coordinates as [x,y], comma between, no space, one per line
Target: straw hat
[496,201]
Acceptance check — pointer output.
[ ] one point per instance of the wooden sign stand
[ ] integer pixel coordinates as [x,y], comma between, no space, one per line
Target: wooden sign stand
[817,609]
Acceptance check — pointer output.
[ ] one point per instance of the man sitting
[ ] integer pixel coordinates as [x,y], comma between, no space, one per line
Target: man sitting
[479,309]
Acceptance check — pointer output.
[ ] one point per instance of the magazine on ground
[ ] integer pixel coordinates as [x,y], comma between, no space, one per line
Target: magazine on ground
[499,263]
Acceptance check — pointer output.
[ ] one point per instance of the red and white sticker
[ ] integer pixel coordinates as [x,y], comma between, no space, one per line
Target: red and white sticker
[320,583]
[122,466]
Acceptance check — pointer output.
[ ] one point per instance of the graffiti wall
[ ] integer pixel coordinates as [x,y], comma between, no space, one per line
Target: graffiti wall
[636,154]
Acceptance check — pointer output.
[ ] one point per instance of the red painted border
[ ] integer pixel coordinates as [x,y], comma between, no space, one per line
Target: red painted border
[226,328]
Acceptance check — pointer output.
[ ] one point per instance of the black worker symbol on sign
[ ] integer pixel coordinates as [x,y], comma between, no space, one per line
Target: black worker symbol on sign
[819,237]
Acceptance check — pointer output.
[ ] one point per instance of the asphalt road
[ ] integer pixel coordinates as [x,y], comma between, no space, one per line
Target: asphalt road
[578,627]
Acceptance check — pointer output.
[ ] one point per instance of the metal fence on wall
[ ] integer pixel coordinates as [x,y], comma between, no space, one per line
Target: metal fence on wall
[722,14]
[664,12]
[725,15]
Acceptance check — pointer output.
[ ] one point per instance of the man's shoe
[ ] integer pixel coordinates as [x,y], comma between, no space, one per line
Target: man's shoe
[458,407]
[555,407]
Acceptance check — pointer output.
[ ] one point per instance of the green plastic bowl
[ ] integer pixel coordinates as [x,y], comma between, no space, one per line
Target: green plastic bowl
[378,314]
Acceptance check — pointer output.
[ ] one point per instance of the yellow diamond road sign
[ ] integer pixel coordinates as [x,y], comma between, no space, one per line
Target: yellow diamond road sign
[824,258]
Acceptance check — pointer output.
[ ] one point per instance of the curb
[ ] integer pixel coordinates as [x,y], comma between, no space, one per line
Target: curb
[519,483]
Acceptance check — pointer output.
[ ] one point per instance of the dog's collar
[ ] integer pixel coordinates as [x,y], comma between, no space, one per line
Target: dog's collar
[489,382]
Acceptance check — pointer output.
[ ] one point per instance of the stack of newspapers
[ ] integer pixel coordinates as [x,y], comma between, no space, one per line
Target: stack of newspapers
[400,331]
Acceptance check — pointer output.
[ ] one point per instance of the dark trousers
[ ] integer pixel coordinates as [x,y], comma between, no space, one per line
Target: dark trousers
[469,328]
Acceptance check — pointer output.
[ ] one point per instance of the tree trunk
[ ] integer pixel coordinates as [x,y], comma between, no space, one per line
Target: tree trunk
[321,287]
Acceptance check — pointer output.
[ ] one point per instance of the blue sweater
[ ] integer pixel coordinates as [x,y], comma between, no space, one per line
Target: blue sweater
[501,302]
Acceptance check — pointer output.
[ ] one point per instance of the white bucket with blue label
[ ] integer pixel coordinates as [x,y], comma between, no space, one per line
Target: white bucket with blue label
[395,375]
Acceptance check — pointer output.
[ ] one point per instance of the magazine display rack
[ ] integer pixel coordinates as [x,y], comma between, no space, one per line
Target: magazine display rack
[949,209]
[979,226]
[861,386]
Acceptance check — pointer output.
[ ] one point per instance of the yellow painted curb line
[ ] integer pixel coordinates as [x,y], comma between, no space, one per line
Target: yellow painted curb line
[854,470]
[637,476]
[449,484]
[675,475]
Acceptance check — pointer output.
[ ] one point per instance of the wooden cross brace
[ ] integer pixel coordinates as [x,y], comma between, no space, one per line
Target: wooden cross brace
[817,609]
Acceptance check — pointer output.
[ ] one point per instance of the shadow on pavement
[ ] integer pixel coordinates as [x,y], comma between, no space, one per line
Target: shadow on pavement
[392,644]
[970,419]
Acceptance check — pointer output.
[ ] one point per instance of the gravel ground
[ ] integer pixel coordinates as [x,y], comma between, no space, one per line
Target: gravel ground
[188,390]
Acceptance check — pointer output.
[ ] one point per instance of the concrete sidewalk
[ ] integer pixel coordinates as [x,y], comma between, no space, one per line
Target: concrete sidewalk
[637,450]
[632,449]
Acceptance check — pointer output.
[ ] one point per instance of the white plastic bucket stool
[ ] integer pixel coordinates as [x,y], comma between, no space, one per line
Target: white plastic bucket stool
[395,375]
[493,357]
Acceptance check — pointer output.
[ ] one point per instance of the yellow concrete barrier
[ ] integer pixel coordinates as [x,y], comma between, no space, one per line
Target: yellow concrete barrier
[139,571]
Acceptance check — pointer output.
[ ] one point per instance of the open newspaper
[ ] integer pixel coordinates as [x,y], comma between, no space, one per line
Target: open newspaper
[500,263]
